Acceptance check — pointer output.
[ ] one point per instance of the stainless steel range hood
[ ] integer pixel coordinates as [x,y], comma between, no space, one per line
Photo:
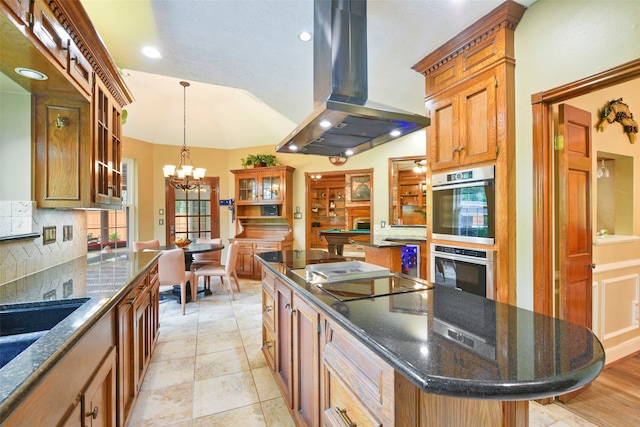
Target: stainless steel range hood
[344,122]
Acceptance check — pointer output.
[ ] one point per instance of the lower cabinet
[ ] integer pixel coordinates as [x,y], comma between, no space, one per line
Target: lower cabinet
[246,264]
[295,356]
[137,316]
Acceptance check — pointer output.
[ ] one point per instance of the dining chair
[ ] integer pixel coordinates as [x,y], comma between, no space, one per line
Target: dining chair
[206,258]
[171,271]
[149,244]
[227,270]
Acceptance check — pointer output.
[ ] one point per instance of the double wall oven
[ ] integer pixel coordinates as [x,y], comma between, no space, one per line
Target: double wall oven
[464,212]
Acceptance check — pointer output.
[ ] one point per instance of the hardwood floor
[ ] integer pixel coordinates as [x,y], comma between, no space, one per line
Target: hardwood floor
[613,399]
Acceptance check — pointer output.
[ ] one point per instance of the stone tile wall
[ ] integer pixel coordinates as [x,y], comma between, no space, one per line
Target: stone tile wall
[20,258]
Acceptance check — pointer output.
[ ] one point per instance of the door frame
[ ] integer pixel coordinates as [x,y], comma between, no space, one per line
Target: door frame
[214,183]
[543,209]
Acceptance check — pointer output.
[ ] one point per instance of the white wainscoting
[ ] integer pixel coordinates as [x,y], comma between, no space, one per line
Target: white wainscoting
[616,309]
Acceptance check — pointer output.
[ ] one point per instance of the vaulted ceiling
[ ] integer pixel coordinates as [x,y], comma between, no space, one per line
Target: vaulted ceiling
[251,77]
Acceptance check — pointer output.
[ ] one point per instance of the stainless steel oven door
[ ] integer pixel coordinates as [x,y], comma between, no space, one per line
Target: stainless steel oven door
[464,206]
[469,270]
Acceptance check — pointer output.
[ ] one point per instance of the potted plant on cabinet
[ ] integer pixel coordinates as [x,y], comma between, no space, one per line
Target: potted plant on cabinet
[259,160]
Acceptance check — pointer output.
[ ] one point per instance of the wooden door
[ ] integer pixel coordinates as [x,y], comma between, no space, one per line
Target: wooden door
[573,192]
[478,122]
[193,213]
[443,138]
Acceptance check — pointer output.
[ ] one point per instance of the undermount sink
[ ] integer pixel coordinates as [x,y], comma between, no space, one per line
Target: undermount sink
[23,324]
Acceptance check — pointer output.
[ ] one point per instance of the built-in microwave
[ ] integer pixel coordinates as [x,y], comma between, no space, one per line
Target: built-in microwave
[464,206]
[467,269]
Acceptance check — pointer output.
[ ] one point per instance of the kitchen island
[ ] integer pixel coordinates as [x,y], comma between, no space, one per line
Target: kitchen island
[400,356]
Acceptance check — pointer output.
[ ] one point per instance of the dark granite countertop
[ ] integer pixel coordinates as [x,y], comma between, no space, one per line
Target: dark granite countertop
[102,279]
[454,343]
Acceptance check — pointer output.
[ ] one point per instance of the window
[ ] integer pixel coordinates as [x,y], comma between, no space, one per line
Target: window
[112,229]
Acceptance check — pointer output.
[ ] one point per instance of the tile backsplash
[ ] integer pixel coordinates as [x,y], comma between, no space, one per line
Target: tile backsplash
[19,258]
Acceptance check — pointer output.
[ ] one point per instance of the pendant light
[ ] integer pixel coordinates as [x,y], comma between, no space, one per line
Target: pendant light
[184,176]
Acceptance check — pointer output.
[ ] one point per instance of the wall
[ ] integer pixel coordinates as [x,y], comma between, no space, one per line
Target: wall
[15,144]
[23,257]
[558,42]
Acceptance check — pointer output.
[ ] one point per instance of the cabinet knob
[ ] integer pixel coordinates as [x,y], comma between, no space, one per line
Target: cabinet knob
[592,266]
[93,414]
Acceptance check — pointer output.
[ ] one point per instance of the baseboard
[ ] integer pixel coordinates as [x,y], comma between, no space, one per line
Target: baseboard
[622,350]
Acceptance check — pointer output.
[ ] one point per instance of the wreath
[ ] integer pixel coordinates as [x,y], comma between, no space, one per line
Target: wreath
[618,111]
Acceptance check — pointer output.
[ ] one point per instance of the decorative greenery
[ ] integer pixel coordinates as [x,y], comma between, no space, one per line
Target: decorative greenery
[618,111]
[114,237]
[259,160]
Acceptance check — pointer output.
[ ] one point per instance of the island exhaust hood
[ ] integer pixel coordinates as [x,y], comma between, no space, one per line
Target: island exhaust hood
[344,122]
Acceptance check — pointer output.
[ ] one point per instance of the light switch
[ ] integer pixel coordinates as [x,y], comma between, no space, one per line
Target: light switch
[48,235]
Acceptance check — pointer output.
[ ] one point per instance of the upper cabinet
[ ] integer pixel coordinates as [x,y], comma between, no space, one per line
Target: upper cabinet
[463,124]
[77,109]
[469,91]
[261,185]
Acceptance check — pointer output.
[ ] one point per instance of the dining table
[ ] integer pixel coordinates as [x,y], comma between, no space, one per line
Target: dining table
[189,250]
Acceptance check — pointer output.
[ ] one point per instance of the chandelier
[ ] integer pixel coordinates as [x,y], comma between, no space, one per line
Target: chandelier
[420,166]
[184,176]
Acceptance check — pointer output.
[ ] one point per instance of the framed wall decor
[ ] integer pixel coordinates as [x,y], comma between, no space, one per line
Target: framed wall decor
[361,188]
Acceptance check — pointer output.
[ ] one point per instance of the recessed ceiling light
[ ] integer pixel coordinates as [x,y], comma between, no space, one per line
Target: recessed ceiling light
[349,152]
[305,36]
[325,123]
[151,52]
[293,147]
[395,133]
[31,74]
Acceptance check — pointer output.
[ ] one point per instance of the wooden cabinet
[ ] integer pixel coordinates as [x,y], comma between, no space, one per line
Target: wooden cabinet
[358,385]
[295,354]
[137,316]
[99,401]
[261,186]
[264,214]
[470,98]
[77,110]
[107,151]
[463,124]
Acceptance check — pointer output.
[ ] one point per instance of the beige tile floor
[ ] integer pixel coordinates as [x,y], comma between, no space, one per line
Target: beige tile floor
[208,369]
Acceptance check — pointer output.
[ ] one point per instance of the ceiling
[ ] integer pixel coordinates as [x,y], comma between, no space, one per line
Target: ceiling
[251,77]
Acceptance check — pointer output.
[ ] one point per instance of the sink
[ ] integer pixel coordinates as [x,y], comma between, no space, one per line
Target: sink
[23,324]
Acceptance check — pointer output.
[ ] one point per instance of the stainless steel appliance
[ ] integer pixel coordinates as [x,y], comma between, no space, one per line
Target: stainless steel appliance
[467,269]
[464,205]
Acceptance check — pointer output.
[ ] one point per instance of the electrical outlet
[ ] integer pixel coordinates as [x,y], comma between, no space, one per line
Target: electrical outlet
[48,235]
[383,224]
[67,233]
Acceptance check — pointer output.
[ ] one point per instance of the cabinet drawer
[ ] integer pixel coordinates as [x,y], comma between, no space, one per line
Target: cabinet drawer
[367,376]
[343,407]
[268,308]
[50,33]
[267,247]
[79,68]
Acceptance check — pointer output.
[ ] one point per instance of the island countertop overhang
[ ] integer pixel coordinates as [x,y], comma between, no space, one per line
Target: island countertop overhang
[531,356]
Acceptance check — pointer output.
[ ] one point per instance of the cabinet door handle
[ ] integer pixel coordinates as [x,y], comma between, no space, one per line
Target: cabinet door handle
[342,413]
[267,344]
[592,266]
[267,308]
[460,148]
[93,414]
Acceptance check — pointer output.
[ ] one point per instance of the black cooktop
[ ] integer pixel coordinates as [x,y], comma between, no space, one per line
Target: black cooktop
[367,288]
